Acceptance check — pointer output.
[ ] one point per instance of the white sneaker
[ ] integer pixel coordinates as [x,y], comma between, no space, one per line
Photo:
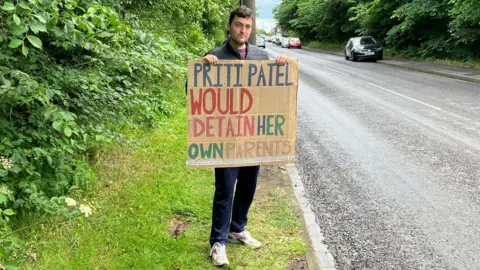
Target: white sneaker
[243,238]
[219,254]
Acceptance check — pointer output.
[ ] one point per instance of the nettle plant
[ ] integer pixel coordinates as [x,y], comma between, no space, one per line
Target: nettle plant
[73,75]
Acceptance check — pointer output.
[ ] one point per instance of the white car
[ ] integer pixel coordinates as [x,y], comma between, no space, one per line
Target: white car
[261,42]
[284,43]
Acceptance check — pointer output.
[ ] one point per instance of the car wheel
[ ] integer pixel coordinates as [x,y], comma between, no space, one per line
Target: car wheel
[346,56]
[354,59]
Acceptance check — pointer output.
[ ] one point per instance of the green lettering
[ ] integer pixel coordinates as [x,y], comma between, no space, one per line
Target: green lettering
[193,151]
[218,149]
[206,153]
[279,121]
[269,125]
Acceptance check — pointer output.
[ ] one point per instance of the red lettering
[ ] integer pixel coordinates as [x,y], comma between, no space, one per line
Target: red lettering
[227,100]
[196,123]
[195,104]
[209,126]
[223,101]
[212,100]
[232,111]
[230,132]
[244,92]
[220,122]
[248,126]
[239,126]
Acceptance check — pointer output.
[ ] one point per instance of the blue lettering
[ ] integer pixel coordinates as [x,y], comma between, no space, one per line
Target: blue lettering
[206,69]
[229,66]
[252,70]
[279,75]
[197,69]
[286,77]
[218,84]
[261,76]
[270,77]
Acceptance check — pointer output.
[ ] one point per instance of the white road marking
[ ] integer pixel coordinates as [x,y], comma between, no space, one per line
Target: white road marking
[418,101]
[324,257]
[336,71]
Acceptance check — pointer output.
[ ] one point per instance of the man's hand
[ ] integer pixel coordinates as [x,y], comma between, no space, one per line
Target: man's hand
[282,59]
[211,59]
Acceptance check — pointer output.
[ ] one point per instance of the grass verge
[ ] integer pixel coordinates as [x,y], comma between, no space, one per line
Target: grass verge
[152,212]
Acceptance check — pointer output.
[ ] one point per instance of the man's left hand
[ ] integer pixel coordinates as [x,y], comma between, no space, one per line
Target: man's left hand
[282,59]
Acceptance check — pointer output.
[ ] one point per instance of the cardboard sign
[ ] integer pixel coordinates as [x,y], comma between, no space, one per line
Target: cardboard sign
[241,113]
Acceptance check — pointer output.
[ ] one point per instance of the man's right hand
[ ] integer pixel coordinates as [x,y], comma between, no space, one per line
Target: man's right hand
[211,59]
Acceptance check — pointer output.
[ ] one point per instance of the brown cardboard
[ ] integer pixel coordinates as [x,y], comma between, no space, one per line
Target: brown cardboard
[241,113]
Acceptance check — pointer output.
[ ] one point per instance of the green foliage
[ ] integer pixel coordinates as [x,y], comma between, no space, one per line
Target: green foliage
[423,23]
[73,75]
[375,17]
[464,25]
[316,19]
[194,24]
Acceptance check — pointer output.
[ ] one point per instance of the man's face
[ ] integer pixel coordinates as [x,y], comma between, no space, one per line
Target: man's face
[240,29]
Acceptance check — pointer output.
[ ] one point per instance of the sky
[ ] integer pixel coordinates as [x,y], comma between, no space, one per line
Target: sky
[264,9]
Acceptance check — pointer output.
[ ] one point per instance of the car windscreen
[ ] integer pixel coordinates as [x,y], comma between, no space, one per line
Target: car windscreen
[294,39]
[367,41]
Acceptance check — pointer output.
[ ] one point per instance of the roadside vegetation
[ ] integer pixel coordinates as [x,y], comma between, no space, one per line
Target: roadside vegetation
[152,212]
[444,30]
[78,77]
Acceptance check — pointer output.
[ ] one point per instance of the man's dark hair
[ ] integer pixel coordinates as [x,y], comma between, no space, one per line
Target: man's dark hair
[242,12]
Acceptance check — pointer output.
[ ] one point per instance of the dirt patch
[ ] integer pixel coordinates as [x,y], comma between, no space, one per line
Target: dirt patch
[177,227]
[273,176]
[298,264]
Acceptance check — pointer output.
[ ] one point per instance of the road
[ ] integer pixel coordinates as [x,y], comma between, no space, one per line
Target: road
[390,160]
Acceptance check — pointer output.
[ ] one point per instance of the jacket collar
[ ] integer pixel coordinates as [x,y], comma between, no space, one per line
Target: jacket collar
[234,50]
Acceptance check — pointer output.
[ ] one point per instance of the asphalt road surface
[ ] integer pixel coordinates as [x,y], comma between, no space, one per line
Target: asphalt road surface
[390,160]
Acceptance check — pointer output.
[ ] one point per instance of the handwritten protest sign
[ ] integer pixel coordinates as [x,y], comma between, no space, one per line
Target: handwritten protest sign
[241,113]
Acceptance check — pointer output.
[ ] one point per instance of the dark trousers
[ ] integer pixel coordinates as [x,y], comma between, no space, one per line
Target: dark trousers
[223,209]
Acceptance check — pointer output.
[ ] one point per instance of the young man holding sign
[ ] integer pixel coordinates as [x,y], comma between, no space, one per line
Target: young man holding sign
[235,48]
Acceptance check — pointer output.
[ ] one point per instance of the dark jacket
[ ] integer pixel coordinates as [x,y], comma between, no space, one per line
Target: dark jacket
[227,52]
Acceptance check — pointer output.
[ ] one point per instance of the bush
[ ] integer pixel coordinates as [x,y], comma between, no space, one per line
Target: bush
[73,75]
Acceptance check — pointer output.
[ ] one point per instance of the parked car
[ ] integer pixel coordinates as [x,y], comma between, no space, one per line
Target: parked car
[294,43]
[278,40]
[365,47]
[284,42]
[261,42]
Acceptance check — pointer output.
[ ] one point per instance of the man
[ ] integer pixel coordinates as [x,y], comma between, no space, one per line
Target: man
[236,47]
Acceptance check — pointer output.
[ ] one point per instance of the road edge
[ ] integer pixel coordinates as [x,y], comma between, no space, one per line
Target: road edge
[430,71]
[320,258]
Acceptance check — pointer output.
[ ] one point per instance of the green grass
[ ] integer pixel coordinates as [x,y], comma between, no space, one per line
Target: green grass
[468,62]
[138,193]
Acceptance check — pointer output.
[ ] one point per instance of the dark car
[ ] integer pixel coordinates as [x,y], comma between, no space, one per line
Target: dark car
[365,47]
